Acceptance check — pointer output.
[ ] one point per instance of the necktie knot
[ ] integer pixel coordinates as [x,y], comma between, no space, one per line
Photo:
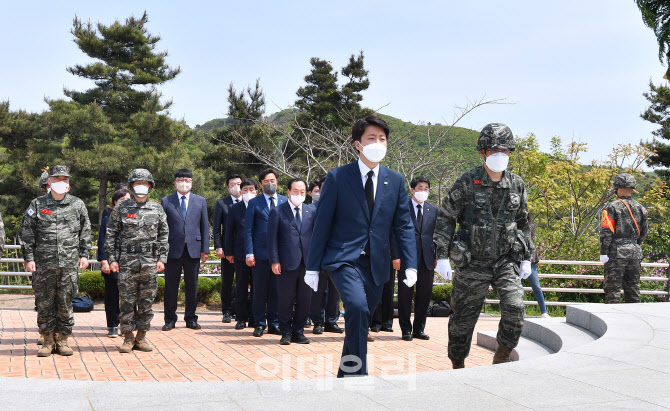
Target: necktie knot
[418,206]
[371,173]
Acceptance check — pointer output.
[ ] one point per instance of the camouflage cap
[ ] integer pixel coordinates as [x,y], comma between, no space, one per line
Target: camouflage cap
[43,178]
[140,174]
[624,180]
[57,171]
[496,135]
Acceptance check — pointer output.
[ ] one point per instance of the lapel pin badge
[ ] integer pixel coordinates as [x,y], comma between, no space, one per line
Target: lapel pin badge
[386,183]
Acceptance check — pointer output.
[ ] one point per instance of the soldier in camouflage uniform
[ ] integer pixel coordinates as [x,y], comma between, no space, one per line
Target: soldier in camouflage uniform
[492,245]
[55,236]
[623,228]
[137,246]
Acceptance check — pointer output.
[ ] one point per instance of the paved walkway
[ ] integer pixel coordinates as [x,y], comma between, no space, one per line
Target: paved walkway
[217,352]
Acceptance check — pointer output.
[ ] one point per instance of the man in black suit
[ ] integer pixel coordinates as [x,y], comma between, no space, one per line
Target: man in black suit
[424,216]
[221,210]
[290,227]
[235,254]
[382,318]
[189,246]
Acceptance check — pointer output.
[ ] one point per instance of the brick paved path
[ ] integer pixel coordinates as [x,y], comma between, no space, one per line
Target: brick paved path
[217,352]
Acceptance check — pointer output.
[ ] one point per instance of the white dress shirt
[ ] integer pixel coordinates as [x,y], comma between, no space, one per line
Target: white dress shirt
[416,210]
[236,200]
[188,197]
[293,206]
[364,176]
[267,199]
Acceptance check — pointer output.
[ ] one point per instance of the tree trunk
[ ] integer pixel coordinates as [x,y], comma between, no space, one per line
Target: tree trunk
[102,199]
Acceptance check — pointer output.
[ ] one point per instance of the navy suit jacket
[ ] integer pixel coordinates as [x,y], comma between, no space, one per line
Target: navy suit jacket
[286,244]
[235,232]
[424,237]
[256,225]
[343,224]
[221,211]
[192,231]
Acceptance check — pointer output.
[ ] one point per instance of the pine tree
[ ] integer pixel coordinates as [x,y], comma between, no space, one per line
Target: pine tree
[659,113]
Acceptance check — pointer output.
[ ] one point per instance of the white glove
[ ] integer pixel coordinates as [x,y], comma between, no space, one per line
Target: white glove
[604,259]
[443,269]
[312,279]
[410,277]
[525,270]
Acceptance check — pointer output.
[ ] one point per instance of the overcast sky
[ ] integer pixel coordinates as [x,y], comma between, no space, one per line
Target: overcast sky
[575,69]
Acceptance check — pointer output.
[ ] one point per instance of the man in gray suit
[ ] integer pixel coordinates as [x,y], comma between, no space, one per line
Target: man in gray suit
[189,246]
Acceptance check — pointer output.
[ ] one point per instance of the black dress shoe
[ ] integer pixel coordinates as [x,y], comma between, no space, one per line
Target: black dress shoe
[193,325]
[407,337]
[241,325]
[168,326]
[318,329]
[274,330]
[375,328]
[333,328]
[285,339]
[226,318]
[258,331]
[299,339]
[387,328]
[421,336]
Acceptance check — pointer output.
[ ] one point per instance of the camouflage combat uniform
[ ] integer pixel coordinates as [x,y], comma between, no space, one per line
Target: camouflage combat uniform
[493,237]
[55,234]
[136,239]
[620,241]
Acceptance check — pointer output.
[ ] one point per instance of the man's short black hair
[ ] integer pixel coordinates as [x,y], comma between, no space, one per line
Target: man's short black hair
[248,182]
[314,184]
[359,126]
[294,180]
[323,180]
[264,173]
[120,186]
[420,179]
[232,177]
[183,173]
[118,194]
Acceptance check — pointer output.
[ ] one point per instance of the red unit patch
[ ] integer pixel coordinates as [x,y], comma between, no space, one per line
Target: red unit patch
[131,215]
[478,182]
[45,211]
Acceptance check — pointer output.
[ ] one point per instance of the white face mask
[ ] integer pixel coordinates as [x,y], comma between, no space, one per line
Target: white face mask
[297,200]
[316,196]
[184,187]
[497,162]
[421,196]
[235,191]
[248,196]
[141,190]
[60,187]
[374,152]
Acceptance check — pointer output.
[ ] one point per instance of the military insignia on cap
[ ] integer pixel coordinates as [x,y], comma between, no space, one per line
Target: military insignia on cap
[30,212]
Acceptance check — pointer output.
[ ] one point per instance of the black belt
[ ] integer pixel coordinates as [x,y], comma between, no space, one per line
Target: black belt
[140,248]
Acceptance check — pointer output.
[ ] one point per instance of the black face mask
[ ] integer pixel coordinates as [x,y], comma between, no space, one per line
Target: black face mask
[270,189]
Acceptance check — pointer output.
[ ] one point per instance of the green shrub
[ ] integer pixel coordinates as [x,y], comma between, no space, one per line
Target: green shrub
[92,283]
[206,288]
[442,293]
[161,289]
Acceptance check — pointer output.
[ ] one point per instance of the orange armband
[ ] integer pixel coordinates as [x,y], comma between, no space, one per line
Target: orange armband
[607,222]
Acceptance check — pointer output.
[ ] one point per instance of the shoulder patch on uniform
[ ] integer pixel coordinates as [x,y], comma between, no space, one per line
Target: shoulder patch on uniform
[30,212]
[455,195]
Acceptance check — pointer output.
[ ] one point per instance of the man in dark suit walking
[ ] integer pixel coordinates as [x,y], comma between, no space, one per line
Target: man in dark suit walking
[189,246]
[361,203]
[424,217]
[290,228]
[236,253]
[221,211]
[255,243]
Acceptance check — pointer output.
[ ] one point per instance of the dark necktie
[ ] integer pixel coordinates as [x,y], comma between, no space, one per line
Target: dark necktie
[419,217]
[183,207]
[237,201]
[272,203]
[298,220]
[370,191]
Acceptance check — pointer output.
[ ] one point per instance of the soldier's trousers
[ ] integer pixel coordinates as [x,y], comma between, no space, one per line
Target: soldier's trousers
[137,290]
[618,272]
[54,291]
[471,284]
